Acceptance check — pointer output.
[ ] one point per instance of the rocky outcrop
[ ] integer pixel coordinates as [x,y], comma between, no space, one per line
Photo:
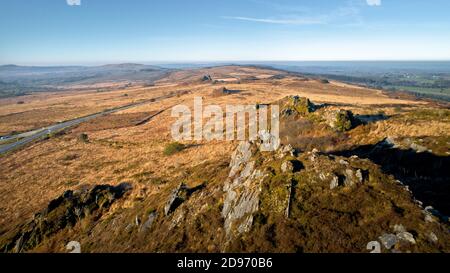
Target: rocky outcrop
[149,222]
[341,120]
[178,196]
[393,241]
[206,78]
[287,167]
[243,185]
[286,150]
[242,190]
[405,143]
[295,105]
[65,211]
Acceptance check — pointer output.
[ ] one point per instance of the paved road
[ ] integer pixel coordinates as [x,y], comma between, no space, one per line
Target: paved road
[31,136]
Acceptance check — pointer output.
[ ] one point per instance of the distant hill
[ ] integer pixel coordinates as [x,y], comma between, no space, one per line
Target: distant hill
[16,79]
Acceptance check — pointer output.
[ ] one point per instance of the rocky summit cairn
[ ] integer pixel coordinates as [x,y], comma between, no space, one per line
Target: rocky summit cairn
[296,105]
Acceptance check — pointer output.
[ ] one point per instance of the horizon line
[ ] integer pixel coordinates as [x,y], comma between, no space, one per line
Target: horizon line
[228,62]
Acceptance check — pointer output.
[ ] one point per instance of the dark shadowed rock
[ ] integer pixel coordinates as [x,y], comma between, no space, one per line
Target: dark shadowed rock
[64,211]
[179,195]
[176,198]
[207,78]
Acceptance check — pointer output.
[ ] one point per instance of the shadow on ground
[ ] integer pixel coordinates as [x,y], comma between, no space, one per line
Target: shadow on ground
[426,174]
[365,119]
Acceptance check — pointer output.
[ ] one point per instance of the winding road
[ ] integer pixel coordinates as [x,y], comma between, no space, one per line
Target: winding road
[27,137]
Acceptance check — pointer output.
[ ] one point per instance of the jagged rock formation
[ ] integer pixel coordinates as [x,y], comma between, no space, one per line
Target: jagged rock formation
[329,193]
[241,190]
[65,211]
[244,185]
[178,196]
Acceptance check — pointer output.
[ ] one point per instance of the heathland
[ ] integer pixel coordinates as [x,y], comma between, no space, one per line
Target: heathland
[356,165]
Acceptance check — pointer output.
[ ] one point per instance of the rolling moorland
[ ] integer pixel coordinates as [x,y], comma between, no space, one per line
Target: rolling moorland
[21,80]
[356,165]
[422,79]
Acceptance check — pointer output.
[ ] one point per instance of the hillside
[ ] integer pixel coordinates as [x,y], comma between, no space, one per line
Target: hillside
[355,165]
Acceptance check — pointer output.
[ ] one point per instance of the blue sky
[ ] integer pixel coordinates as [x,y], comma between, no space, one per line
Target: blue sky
[110,31]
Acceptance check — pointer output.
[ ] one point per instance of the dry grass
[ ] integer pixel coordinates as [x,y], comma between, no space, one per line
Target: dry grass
[43,109]
[118,151]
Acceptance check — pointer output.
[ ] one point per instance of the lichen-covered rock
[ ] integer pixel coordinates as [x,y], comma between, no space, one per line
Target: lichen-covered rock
[286,150]
[351,177]
[334,182]
[296,105]
[341,120]
[242,190]
[388,240]
[287,167]
[406,237]
[432,237]
[150,220]
[240,156]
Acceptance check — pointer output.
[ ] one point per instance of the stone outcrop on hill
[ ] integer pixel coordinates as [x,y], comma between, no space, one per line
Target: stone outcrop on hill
[268,189]
[241,190]
[65,211]
[207,78]
[295,105]
[341,120]
[285,199]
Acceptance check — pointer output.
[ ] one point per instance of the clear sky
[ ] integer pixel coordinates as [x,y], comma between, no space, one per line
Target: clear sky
[111,31]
